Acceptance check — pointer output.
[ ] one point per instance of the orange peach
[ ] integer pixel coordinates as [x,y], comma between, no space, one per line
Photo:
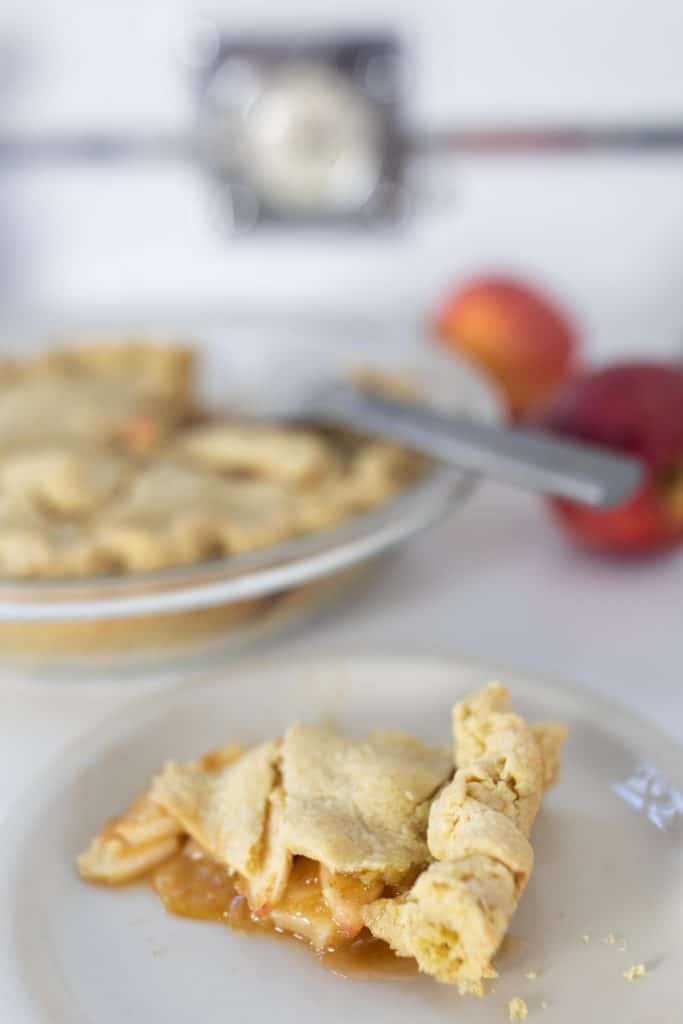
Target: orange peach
[521,338]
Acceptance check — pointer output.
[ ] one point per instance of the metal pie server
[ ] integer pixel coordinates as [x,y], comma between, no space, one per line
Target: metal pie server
[532,460]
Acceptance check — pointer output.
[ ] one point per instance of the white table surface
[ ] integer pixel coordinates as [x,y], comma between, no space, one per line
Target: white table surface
[497,582]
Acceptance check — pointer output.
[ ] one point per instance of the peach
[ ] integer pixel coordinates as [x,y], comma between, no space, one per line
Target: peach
[520,337]
[636,408]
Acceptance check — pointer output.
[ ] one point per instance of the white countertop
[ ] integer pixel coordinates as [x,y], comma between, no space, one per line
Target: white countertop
[497,582]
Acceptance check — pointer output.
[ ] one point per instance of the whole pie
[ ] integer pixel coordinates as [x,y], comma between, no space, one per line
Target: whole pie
[346,843]
[108,464]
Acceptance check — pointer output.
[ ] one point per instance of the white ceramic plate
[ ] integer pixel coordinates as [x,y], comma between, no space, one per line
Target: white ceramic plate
[609,858]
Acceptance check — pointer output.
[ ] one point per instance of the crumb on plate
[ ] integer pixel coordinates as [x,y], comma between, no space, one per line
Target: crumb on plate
[611,939]
[471,988]
[635,971]
[517,1009]
[585,938]
[531,975]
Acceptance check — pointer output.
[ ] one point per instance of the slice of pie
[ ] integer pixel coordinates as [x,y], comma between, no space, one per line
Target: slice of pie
[334,839]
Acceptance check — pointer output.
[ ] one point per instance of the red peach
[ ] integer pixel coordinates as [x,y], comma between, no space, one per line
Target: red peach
[521,338]
[635,408]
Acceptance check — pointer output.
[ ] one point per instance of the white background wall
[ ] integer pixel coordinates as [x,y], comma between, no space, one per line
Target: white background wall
[606,235]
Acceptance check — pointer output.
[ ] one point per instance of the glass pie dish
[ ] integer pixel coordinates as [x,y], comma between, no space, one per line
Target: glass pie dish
[145,620]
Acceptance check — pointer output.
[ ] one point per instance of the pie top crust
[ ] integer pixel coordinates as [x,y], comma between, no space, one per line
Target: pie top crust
[360,806]
[95,392]
[108,464]
[224,810]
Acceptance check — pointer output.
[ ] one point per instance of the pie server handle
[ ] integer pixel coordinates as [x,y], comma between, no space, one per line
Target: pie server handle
[532,460]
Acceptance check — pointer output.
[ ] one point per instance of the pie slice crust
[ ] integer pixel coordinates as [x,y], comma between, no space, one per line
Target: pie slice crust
[455,916]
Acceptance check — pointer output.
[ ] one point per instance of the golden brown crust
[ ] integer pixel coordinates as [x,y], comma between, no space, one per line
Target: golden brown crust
[360,806]
[128,846]
[458,911]
[453,917]
[69,480]
[257,450]
[102,470]
[328,834]
[225,810]
[486,730]
[96,393]
[550,736]
[158,370]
